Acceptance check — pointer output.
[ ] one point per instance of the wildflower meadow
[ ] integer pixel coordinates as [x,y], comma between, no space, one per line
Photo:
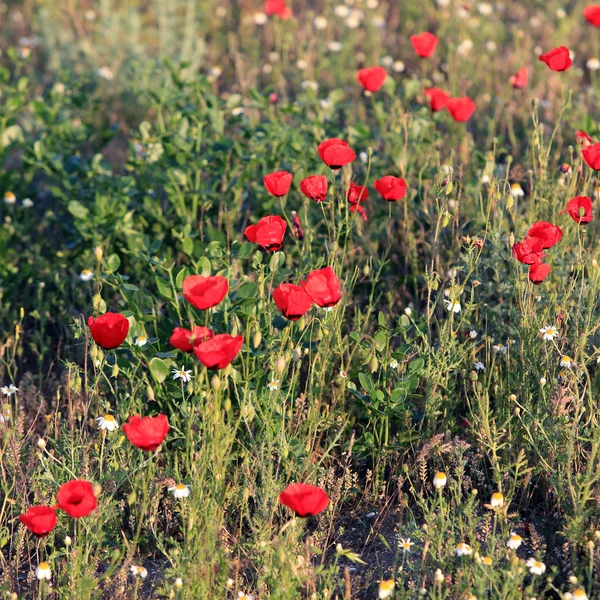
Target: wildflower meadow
[299,299]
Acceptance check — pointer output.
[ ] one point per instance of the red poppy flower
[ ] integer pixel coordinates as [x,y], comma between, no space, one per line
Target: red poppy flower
[314,187]
[292,300]
[205,292]
[558,59]
[591,155]
[109,330]
[520,78]
[336,153]
[424,44]
[529,251]
[357,193]
[278,8]
[461,109]
[548,234]
[305,500]
[538,272]
[77,498]
[186,339]
[592,14]
[323,287]
[219,351]
[391,188]
[437,98]
[580,209]
[360,210]
[278,184]
[146,433]
[372,78]
[297,226]
[40,520]
[584,137]
[267,233]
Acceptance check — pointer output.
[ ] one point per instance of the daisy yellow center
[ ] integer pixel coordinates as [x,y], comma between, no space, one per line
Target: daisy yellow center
[44,566]
[180,486]
[537,564]
[86,272]
[141,338]
[487,560]
[387,585]
[497,497]
[109,418]
[566,359]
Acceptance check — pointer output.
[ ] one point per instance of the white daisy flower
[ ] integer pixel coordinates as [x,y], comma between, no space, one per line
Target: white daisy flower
[243,596]
[9,390]
[497,500]
[473,334]
[334,46]
[27,203]
[86,275]
[514,541]
[394,364]
[536,567]
[42,571]
[579,594]
[5,413]
[398,66]
[549,332]
[180,490]
[463,550]
[566,361]
[320,22]
[107,422]
[141,340]
[440,480]
[516,190]
[479,366]
[136,571]
[273,385]
[386,589]
[453,306]
[405,544]
[259,18]
[9,198]
[105,73]
[341,11]
[182,374]
[593,64]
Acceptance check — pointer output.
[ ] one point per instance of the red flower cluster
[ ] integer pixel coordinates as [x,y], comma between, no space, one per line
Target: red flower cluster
[219,351]
[304,499]
[356,194]
[278,8]
[460,109]
[520,78]
[372,78]
[541,236]
[186,339]
[109,330]
[76,498]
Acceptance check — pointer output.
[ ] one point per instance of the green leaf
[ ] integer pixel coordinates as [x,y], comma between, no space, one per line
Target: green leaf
[416,365]
[188,246]
[365,381]
[159,369]
[78,210]
[11,134]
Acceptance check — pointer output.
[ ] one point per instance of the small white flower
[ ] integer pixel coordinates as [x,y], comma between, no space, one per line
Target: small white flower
[182,374]
[497,500]
[90,15]
[302,64]
[86,275]
[593,64]
[472,334]
[343,375]
[439,576]
[560,13]
[479,366]
[464,47]
[408,311]
[485,9]
[536,567]
[398,66]
[27,203]
[499,349]
[394,364]
[215,72]
[387,61]
[267,69]
[579,594]
[549,332]
[514,541]
[516,190]
[341,11]
[141,340]
[566,361]
[352,22]
[9,390]
[440,480]
[405,544]
[179,583]
[491,46]
[372,4]
[5,413]
[259,18]
[320,22]
[543,381]
[364,157]
[107,422]
[243,596]
[9,198]
[237,111]
[453,306]
[41,443]
[42,571]
[105,73]
[386,589]
[308,84]
[180,490]
[273,385]
[334,46]
[463,550]
[136,570]
[378,22]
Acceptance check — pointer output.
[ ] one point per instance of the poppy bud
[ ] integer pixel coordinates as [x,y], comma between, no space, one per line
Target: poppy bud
[215,383]
[98,253]
[256,340]
[280,365]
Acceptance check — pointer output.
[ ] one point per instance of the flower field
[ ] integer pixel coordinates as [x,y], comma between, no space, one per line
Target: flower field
[300,300]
